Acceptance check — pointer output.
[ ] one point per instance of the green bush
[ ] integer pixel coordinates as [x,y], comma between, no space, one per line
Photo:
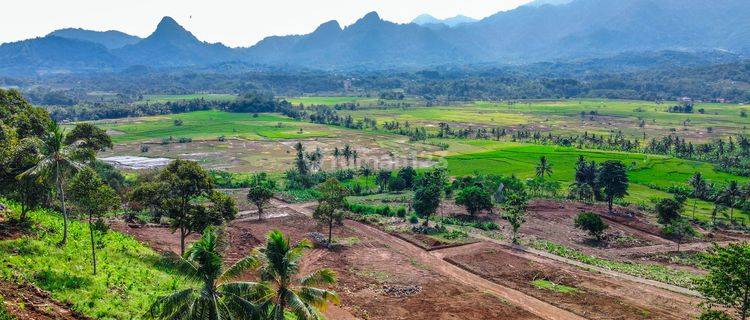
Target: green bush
[592,223]
[401,212]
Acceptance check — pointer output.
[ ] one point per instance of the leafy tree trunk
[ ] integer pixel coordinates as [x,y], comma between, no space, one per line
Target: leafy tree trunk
[260,211]
[93,247]
[182,241]
[427,221]
[609,203]
[731,213]
[61,193]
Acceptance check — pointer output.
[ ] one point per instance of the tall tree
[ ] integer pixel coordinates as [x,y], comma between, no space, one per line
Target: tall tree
[94,198]
[730,194]
[408,174]
[699,189]
[426,199]
[185,193]
[347,153]
[300,161]
[56,161]
[260,191]
[544,168]
[727,284]
[330,203]
[613,178]
[382,179]
[515,212]
[220,297]
[336,155]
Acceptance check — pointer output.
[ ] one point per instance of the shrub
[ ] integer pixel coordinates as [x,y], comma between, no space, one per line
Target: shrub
[401,212]
[177,122]
[592,223]
[144,148]
[668,210]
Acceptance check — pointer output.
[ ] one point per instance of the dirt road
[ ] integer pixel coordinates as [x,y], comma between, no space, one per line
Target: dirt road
[436,263]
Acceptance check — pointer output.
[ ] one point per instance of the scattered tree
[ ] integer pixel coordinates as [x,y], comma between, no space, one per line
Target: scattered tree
[475,199]
[613,178]
[591,223]
[260,191]
[330,203]
[544,168]
[680,230]
[92,197]
[515,212]
[668,210]
[426,199]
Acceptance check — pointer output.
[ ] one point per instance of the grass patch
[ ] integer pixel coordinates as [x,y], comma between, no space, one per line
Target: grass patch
[549,285]
[211,124]
[130,277]
[648,271]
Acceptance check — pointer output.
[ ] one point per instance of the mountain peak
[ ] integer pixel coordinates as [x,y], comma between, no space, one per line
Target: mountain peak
[169,29]
[370,17]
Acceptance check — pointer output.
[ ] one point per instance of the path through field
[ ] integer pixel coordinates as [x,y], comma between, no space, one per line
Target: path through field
[435,262]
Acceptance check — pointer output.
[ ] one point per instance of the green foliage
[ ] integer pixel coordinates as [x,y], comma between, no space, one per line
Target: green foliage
[184,192]
[131,274]
[515,212]
[261,191]
[426,199]
[330,203]
[591,223]
[727,284]
[613,179]
[549,285]
[475,199]
[668,210]
[680,230]
[221,297]
[649,271]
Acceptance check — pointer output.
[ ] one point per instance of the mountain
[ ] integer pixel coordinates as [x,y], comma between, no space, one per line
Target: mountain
[595,28]
[371,42]
[426,20]
[543,31]
[171,45]
[52,54]
[110,39]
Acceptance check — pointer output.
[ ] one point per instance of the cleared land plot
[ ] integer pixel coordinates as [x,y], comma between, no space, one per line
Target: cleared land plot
[376,281]
[585,293]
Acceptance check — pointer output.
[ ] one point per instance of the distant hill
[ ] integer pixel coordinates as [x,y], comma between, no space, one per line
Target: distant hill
[171,45]
[53,55]
[110,39]
[543,31]
[426,19]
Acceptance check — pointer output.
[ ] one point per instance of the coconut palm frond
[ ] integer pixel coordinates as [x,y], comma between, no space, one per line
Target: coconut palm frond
[319,277]
[317,297]
[174,306]
[299,308]
[251,262]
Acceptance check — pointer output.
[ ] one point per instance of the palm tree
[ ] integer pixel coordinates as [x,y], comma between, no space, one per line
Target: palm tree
[278,264]
[57,159]
[543,168]
[347,153]
[336,155]
[219,298]
[699,188]
[731,193]
[355,155]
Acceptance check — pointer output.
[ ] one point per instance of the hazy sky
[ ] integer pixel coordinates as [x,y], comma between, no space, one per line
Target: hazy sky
[232,22]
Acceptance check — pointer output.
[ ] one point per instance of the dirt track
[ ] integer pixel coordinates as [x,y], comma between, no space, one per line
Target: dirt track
[435,262]
[28,302]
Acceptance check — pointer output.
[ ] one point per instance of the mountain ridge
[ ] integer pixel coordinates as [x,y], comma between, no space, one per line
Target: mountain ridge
[581,29]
